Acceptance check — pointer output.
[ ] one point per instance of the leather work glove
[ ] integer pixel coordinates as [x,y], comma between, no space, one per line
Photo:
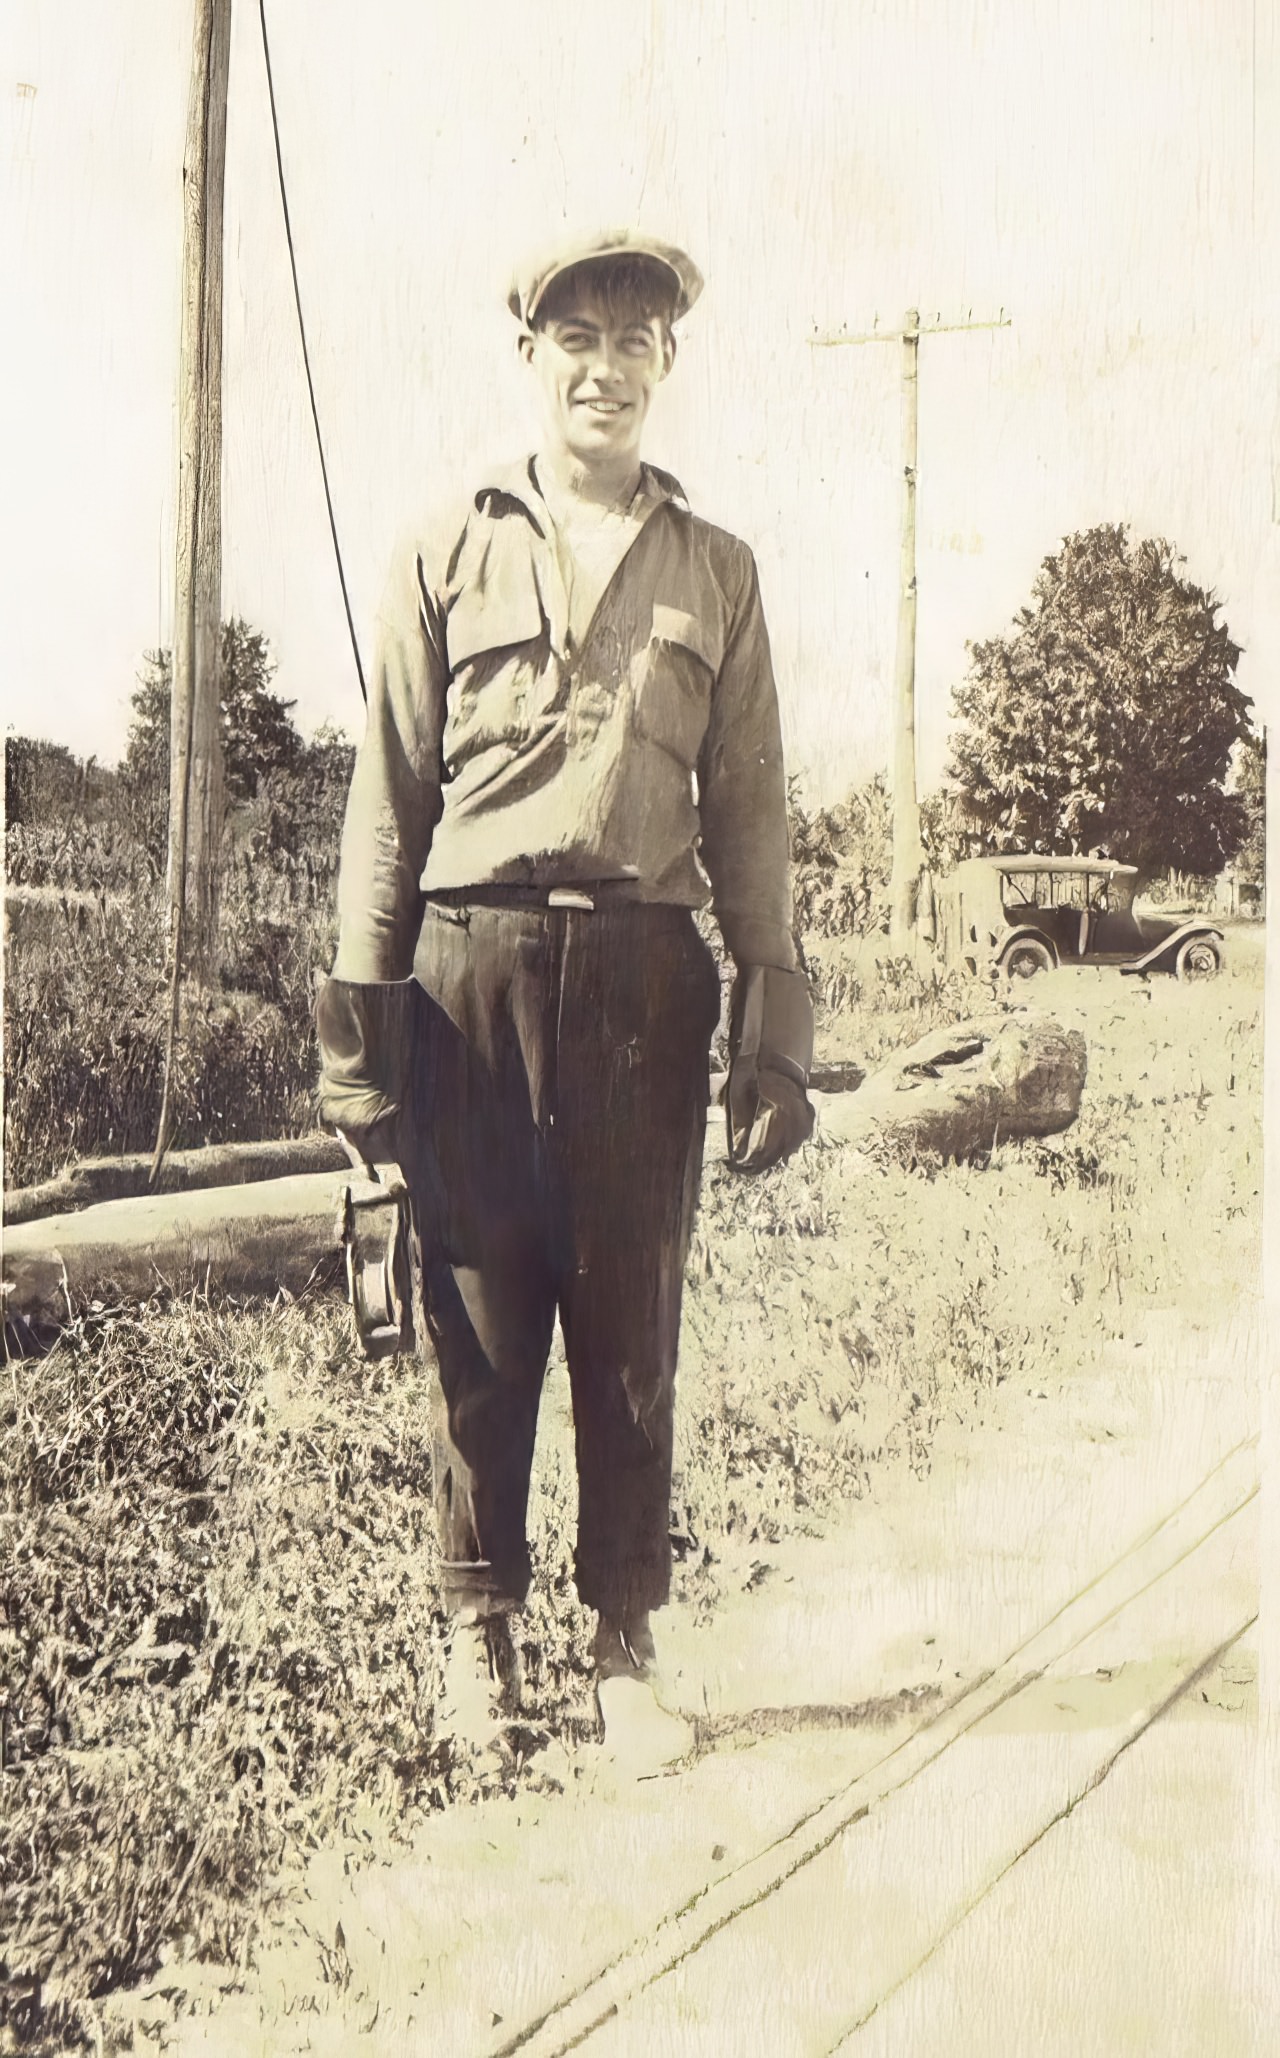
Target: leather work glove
[362,1036]
[767,1109]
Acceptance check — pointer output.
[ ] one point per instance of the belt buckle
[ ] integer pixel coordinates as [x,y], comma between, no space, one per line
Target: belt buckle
[570,897]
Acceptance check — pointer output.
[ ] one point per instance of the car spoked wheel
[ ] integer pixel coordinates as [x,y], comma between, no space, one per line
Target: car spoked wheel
[1027,959]
[1199,958]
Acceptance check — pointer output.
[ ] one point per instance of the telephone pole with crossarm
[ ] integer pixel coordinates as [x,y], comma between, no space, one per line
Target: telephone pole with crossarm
[908,854]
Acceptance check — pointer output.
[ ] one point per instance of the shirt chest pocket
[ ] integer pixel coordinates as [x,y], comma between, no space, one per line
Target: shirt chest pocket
[498,649]
[676,671]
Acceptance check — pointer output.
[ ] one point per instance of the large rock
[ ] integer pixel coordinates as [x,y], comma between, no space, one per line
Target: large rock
[959,1090]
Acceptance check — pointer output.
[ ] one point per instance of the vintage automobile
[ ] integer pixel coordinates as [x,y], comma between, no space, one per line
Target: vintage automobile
[1016,916]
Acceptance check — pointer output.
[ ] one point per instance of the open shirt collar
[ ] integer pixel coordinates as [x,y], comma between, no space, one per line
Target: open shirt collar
[518,482]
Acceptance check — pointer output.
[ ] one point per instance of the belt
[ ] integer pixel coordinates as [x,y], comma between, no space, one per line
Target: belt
[598,893]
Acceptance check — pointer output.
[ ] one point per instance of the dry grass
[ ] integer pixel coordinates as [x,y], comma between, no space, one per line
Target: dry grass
[221,1633]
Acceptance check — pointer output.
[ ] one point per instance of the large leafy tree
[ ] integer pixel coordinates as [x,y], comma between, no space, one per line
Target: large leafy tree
[1106,719]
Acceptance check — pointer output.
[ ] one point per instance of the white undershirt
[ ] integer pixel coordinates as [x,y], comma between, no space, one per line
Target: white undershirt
[590,543]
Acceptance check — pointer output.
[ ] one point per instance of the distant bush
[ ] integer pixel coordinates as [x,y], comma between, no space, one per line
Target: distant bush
[41,780]
[86,1006]
[64,826]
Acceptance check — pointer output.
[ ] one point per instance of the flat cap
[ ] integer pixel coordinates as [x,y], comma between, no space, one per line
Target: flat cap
[531,282]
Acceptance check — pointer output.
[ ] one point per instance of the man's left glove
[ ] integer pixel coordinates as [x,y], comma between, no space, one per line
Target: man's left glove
[770,1051]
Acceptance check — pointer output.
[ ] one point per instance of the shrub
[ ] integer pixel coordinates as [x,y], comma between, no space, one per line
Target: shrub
[86,1002]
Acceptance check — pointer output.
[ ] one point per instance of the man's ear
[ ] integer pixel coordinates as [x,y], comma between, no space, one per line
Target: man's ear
[524,345]
[668,351]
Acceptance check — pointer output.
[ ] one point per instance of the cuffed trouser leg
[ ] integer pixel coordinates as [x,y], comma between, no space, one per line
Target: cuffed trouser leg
[640,1002]
[491,1326]
[479,1177]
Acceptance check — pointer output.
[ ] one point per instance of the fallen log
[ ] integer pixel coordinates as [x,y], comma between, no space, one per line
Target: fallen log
[183,1171]
[954,1093]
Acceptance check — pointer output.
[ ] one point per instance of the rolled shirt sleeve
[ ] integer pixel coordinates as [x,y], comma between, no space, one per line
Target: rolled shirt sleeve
[742,794]
[395,798]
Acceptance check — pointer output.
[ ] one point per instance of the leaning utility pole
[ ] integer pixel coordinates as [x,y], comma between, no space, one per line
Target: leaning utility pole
[195,751]
[195,739]
[908,855]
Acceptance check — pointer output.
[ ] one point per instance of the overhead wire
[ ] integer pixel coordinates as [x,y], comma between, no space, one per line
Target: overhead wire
[306,354]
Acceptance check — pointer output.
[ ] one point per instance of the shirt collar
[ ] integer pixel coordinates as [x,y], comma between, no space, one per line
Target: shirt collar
[518,482]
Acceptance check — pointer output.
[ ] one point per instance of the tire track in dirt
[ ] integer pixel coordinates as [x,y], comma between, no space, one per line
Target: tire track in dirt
[1154,1557]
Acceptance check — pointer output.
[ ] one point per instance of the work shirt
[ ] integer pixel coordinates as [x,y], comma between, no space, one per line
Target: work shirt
[644,759]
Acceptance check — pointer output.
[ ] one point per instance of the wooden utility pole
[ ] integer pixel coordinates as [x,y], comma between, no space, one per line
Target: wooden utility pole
[908,854]
[195,735]
[195,752]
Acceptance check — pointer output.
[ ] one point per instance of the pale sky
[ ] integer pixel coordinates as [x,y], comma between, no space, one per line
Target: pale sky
[1105,171]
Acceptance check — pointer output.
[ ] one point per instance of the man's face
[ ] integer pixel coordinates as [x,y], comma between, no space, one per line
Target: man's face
[597,377]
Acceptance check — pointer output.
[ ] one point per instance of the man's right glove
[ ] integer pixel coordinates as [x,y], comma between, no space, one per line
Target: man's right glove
[770,1051]
[362,1032]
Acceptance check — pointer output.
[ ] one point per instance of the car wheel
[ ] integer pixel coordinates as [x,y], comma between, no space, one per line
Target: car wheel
[1199,958]
[1026,959]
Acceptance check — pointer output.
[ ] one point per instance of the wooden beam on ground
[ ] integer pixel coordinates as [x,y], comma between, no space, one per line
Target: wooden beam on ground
[237,1240]
[184,1171]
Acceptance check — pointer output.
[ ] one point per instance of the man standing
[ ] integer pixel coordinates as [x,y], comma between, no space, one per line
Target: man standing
[572,743]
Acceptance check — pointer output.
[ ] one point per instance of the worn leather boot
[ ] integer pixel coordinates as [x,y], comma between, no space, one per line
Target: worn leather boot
[483,1683]
[640,1735]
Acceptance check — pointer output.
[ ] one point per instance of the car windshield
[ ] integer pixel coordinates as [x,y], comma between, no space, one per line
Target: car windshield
[1052,889]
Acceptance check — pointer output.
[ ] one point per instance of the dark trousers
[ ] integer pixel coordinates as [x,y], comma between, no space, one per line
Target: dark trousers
[555,1129]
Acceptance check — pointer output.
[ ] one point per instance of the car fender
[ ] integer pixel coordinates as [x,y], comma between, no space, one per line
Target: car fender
[1026,931]
[1163,955]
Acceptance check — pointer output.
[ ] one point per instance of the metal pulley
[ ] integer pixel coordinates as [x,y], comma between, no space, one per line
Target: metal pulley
[375,1241]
